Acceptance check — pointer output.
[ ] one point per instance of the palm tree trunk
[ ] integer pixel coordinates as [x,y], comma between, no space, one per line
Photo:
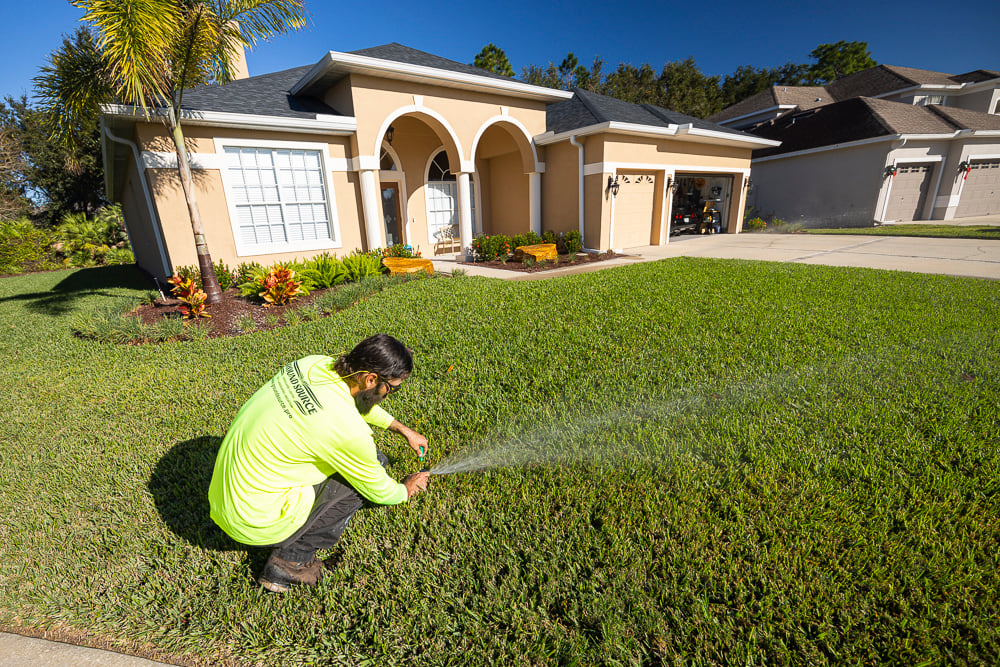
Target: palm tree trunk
[208,279]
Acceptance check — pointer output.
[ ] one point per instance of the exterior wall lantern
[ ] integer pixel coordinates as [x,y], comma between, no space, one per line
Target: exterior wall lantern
[613,185]
[749,185]
[389,133]
[672,184]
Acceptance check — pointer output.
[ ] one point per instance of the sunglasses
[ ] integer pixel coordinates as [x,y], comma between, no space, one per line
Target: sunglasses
[393,388]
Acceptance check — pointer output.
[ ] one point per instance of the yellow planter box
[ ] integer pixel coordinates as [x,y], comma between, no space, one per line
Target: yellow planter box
[398,265]
[541,252]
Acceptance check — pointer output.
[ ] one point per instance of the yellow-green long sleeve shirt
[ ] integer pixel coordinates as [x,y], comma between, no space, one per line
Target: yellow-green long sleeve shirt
[301,427]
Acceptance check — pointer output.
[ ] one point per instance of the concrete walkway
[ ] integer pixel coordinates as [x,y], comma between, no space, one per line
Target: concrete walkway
[20,651]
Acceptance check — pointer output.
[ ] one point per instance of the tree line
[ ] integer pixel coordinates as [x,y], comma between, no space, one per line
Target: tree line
[680,85]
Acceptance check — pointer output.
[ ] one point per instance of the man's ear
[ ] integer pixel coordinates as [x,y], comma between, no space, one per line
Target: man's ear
[370,380]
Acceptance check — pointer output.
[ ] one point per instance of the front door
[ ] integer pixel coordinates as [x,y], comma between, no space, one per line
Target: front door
[391,214]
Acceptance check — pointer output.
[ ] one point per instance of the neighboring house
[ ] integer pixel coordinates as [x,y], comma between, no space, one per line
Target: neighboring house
[393,145]
[885,144]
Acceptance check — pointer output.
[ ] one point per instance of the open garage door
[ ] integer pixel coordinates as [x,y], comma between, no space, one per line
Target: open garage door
[635,205]
[981,191]
[908,192]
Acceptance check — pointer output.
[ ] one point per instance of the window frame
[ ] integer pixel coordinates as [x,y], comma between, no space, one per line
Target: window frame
[245,250]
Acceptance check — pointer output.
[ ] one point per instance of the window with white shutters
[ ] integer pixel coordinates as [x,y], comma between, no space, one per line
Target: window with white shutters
[279,200]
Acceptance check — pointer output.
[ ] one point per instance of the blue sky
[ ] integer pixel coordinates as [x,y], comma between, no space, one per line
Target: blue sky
[950,37]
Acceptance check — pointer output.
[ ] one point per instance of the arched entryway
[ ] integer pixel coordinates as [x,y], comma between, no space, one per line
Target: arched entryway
[505,165]
[419,172]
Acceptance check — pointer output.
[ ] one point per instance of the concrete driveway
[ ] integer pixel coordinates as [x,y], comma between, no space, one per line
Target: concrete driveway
[954,257]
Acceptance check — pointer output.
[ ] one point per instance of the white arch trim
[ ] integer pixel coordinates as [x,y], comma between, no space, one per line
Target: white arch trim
[516,123]
[413,108]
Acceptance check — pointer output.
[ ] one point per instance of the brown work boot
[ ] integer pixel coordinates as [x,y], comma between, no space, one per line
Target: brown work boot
[280,574]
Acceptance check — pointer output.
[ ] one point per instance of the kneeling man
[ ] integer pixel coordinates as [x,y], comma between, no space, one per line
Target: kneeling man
[299,458]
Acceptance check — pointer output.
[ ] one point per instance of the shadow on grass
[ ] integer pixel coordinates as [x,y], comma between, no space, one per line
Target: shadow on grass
[179,485]
[84,282]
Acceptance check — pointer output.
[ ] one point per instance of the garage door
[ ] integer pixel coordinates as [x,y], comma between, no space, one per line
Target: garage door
[981,192]
[908,192]
[634,205]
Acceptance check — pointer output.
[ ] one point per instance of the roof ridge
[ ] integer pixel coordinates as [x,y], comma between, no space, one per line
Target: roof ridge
[938,111]
[867,101]
[658,112]
[590,107]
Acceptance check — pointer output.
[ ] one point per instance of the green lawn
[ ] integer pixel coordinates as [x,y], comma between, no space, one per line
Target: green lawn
[989,232]
[718,462]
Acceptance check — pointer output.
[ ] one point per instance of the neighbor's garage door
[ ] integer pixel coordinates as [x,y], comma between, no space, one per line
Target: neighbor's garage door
[634,206]
[981,192]
[908,192]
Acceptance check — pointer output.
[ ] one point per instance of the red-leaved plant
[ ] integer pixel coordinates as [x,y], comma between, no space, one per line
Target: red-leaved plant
[280,286]
[188,293]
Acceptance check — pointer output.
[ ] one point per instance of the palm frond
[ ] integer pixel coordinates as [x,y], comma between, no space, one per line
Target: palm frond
[261,19]
[194,49]
[135,38]
[73,86]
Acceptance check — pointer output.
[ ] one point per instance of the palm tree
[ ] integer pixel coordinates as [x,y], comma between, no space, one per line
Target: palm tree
[145,54]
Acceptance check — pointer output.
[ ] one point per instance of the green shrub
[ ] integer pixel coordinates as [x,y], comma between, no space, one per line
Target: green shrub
[359,265]
[225,275]
[397,250]
[755,225]
[488,248]
[530,238]
[245,272]
[119,256]
[25,247]
[324,271]
[572,242]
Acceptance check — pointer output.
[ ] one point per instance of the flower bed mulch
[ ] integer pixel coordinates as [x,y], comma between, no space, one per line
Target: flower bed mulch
[563,262]
[227,315]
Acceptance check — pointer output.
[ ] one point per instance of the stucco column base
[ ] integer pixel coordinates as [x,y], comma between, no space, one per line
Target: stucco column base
[465,214]
[535,201]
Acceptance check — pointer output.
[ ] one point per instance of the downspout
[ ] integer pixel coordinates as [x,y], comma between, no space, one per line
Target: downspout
[579,150]
[885,204]
[145,191]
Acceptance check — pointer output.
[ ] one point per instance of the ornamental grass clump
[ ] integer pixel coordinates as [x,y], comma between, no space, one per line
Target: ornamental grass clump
[189,294]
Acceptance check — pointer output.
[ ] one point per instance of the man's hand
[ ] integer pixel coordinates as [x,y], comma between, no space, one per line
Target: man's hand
[417,442]
[416,483]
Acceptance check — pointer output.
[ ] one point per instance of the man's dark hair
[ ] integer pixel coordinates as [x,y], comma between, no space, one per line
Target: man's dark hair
[381,354]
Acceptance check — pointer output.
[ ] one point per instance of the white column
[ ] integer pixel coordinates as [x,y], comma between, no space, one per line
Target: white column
[535,201]
[464,212]
[369,200]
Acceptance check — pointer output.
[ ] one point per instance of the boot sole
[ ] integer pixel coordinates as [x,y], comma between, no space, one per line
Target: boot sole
[273,587]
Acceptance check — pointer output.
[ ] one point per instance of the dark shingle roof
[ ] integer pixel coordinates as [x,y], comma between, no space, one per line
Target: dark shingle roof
[967,120]
[866,118]
[264,95]
[587,108]
[872,82]
[803,97]
[404,54]
[884,79]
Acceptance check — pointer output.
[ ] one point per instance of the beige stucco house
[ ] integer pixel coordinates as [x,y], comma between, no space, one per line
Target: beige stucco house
[393,145]
[885,144]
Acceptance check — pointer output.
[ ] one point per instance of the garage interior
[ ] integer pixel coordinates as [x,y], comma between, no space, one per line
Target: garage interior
[700,203]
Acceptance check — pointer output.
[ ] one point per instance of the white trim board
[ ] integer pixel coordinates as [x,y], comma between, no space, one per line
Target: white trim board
[613,167]
[322,124]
